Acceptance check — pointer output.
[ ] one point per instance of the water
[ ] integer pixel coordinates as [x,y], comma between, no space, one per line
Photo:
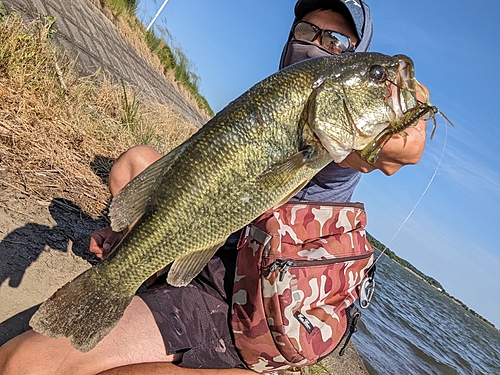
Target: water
[412,328]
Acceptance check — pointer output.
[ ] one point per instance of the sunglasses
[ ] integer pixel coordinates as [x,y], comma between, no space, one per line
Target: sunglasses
[333,41]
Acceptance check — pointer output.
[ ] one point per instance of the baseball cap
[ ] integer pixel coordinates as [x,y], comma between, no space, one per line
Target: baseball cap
[351,9]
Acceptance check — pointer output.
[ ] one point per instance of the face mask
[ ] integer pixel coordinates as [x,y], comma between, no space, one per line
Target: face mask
[298,50]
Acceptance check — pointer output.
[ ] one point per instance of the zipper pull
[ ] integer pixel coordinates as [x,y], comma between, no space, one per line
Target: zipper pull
[280,264]
[352,329]
[274,266]
[284,268]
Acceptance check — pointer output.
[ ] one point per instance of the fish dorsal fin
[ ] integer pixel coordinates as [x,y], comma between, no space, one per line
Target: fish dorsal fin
[284,171]
[187,267]
[131,202]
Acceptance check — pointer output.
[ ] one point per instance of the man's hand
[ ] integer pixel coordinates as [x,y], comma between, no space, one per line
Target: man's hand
[102,241]
[399,151]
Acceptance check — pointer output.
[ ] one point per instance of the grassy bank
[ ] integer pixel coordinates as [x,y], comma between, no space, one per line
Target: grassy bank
[167,59]
[59,132]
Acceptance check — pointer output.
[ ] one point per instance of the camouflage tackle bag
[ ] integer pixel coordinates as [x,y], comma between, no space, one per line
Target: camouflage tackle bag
[298,272]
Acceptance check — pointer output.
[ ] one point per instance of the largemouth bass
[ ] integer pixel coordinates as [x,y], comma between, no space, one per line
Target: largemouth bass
[252,156]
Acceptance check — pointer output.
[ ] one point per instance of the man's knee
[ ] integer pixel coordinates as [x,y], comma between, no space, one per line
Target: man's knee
[15,358]
[32,353]
[130,164]
[12,366]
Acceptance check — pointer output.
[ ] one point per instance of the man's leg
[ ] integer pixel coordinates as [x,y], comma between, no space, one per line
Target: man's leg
[136,339]
[125,168]
[130,164]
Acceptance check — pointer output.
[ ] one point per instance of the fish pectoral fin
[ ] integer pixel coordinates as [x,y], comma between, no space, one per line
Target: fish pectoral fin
[283,172]
[187,267]
[131,202]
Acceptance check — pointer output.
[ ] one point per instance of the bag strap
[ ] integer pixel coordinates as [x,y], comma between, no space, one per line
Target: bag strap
[353,316]
[254,233]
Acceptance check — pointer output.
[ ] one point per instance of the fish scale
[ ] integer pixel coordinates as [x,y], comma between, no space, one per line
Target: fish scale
[253,155]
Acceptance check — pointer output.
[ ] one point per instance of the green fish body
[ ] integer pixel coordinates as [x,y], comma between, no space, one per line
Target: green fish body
[252,156]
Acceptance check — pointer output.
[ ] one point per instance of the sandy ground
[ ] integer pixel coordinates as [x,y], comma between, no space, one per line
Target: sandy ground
[44,244]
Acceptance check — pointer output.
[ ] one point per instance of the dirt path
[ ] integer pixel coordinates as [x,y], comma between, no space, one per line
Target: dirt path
[43,244]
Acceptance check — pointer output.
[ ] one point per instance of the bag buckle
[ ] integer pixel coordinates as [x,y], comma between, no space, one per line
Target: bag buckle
[251,232]
[243,238]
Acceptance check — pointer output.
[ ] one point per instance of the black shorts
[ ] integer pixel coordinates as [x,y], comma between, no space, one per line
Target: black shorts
[194,320]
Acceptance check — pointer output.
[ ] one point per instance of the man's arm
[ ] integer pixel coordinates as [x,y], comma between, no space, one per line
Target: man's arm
[162,368]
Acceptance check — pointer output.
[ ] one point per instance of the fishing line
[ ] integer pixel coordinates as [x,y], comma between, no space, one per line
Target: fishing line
[423,193]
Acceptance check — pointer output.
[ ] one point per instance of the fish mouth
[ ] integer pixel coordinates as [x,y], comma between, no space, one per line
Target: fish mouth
[402,90]
[392,103]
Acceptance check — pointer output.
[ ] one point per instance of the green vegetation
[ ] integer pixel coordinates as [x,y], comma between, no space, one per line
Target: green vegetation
[121,6]
[171,58]
[320,368]
[431,281]
[174,59]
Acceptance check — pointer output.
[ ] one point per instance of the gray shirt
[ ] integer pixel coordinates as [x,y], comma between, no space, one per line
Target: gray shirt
[332,184]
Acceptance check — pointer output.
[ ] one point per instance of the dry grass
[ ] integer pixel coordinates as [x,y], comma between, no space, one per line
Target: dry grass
[132,30]
[59,132]
[316,369]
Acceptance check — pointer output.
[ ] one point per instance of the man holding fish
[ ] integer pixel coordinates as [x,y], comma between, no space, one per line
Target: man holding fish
[174,330]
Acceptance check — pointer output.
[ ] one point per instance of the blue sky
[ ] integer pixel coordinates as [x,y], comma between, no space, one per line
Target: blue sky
[453,233]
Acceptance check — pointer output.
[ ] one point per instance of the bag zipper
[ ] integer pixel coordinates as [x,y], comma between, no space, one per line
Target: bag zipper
[359,205]
[284,264]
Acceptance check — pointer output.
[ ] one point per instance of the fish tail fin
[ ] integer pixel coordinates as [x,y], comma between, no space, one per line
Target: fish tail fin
[84,310]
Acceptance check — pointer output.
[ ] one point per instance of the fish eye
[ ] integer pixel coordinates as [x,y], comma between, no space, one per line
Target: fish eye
[378,73]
